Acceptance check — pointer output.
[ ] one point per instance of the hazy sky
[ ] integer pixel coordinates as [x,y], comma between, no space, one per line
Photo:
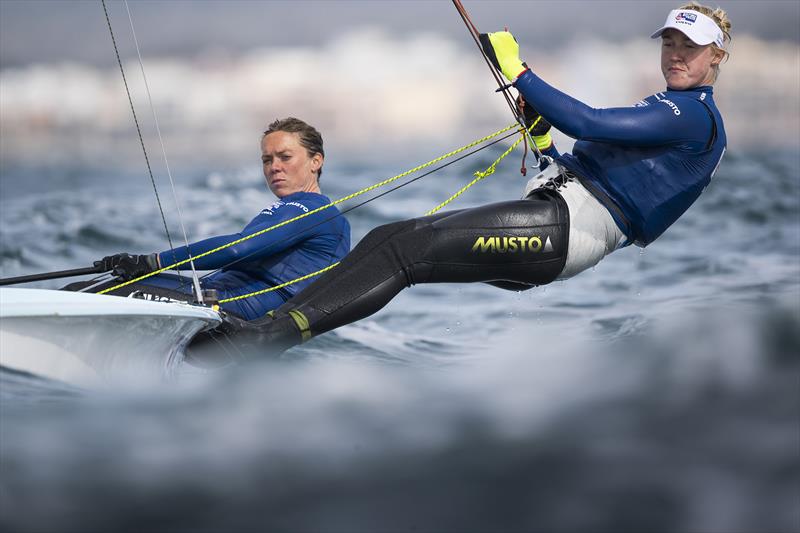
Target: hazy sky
[75,30]
[403,73]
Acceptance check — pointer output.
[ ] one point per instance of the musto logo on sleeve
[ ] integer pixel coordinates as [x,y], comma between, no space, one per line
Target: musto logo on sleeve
[503,245]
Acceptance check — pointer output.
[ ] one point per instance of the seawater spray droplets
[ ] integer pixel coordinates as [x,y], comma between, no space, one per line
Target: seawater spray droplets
[640,266]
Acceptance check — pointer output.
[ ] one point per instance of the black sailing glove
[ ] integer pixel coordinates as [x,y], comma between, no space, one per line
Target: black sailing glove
[531,115]
[127,266]
[541,128]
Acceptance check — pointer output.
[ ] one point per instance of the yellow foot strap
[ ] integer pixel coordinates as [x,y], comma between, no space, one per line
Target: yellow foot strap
[302,324]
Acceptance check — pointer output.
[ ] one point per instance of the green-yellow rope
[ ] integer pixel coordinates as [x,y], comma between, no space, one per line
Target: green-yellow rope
[282,285]
[479,176]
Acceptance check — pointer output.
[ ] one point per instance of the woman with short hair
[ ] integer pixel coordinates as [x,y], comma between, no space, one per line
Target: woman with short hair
[292,157]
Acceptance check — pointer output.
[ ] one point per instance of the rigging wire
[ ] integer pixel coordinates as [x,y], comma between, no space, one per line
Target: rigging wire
[502,86]
[195,279]
[138,129]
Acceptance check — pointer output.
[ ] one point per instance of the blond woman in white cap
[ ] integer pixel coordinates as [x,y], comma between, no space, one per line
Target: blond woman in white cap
[648,163]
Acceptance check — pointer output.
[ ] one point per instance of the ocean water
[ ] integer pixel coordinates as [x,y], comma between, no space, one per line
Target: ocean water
[659,391]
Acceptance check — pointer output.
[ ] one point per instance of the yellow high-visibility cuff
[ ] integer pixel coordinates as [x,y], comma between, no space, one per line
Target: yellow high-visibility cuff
[543,142]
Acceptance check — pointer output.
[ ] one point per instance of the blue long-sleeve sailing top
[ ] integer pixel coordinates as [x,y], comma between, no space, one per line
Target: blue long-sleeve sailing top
[272,258]
[647,163]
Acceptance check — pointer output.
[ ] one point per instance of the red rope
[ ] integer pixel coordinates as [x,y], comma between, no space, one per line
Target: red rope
[473,30]
[503,87]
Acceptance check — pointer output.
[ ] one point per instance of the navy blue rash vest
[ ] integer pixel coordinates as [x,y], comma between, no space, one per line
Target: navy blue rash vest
[647,163]
[272,258]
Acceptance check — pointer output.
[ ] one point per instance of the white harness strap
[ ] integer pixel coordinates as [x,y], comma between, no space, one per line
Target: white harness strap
[593,234]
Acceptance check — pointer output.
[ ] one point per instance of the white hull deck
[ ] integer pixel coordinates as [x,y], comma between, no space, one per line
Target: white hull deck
[90,339]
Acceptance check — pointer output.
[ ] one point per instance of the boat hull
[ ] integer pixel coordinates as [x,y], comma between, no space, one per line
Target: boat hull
[88,339]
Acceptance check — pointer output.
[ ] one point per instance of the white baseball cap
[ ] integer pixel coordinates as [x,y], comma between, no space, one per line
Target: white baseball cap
[700,28]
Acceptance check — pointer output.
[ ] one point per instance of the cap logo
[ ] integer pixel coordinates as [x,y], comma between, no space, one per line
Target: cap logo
[700,28]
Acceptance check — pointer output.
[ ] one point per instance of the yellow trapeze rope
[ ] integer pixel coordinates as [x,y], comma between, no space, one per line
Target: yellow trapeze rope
[309,213]
[282,285]
[478,176]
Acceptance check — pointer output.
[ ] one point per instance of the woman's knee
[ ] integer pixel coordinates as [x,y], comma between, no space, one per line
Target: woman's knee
[387,231]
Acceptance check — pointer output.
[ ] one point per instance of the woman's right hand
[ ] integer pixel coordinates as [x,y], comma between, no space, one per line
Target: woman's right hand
[503,51]
[127,266]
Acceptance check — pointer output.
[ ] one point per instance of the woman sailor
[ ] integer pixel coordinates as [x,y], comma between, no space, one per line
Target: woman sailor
[632,173]
[292,159]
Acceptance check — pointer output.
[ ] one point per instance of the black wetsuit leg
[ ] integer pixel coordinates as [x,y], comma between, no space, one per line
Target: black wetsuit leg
[515,245]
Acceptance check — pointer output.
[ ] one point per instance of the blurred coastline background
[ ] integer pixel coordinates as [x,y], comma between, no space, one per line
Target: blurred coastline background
[389,81]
